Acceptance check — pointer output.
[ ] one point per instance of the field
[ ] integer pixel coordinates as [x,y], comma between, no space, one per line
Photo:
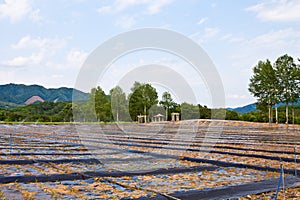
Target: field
[197,159]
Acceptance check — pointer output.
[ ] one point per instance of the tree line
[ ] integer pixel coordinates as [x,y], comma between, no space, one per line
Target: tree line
[39,112]
[142,100]
[274,83]
[114,106]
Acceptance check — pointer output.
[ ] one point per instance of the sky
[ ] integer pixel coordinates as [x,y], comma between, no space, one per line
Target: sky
[47,42]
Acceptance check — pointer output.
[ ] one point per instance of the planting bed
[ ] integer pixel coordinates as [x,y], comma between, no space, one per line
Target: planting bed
[198,159]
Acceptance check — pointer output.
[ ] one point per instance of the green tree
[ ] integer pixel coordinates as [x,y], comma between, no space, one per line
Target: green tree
[288,75]
[90,113]
[232,115]
[99,105]
[68,113]
[141,99]
[167,102]
[264,85]
[205,112]
[154,110]
[118,103]
[2,115]
[78,111]
[189,111]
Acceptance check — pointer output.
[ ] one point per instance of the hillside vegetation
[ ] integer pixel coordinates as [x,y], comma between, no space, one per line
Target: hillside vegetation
[12,95]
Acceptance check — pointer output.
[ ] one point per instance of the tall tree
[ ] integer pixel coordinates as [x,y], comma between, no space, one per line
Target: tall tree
[189,111]
[141,99]
[288,75]
[167,102]
[118,103]
[204,111]
[100,104]
[264,85]
[89,107]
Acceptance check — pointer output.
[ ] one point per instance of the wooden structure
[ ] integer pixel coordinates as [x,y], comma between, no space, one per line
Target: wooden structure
[158,118]
[175,117]
[142,118]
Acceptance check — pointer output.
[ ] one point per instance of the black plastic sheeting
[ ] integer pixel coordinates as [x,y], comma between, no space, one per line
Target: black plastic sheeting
[231,191]
[89,174]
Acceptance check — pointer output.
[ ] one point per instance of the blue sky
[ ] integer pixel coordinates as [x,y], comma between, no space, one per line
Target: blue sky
[46,42]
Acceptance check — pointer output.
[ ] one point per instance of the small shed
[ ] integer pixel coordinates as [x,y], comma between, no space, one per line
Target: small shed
[158,118]
[142,118]
[175,116]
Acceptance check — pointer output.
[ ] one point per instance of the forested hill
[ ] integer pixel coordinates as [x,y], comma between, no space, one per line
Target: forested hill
[12,95]
[252,107]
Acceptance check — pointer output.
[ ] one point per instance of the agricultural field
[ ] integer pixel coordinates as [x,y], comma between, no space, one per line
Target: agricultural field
[194,159]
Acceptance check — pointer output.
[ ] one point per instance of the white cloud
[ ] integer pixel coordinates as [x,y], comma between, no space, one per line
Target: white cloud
[76,57]
[41,48]
[151,6]
[205,35]
[35,16]
[202,20]
[155,6]
[16,10]
[49,45]
[269,45]
[232,39]
[210,32]
[104,9]
[49,53]
[20,61]
[279,39]
[7,76]
[277,10]
[125,22]
[73,60]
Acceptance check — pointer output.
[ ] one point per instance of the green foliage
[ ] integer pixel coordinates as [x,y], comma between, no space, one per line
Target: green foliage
[288,75]
[273,84]
[261,116]
[232,115]
[118,104]
[205,112]
[189,111]
[154,110]
[100,104]
[264,85]
[12,95]
[8,105]
[142,98]
[167,103]
[39,112]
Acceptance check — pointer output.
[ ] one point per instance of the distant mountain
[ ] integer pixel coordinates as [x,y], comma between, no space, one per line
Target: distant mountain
[252,107]
[244,109]
[12,95]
